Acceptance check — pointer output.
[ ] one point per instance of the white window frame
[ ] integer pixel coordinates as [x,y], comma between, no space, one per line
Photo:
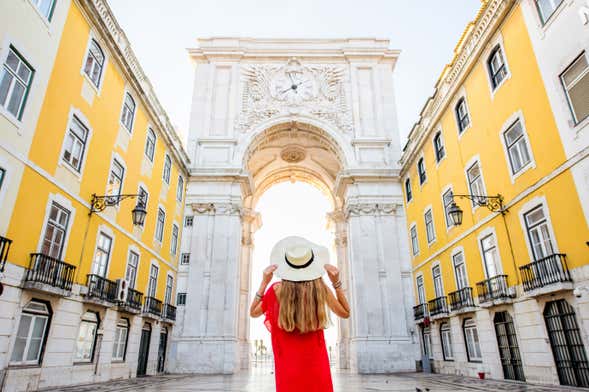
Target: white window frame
[121,340]
[576,120]
[456,251]
[438,290]
[185,258]
[407,198]
[107,232]
[427,343]
[490,231]
[16,119]
[93,350]
[414,252]
[529,206]
[148,291]
[419,277]
[34,315]
[82,119]
[447,349]
[167,174]
[468,333]
[157,237]
[432,240]
[151,158]
[47,18]
[174,239]
[134,112]
[169,291]
[447,220]
[188,220]
[474,160]
[65,203]
[135,251]
[462,98]
[97,89]
[180,188]
[421,159]
[180,302]
[498,41]
[119,160]
[543,18]
[438,161]
[511,121]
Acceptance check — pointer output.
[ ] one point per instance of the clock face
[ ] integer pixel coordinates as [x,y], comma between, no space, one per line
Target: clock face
[293,86]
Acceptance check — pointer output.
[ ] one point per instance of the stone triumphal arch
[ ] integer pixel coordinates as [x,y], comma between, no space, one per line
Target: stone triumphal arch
[270,110]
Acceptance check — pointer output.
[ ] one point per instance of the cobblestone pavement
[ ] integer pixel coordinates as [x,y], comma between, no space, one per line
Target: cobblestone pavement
[262,380]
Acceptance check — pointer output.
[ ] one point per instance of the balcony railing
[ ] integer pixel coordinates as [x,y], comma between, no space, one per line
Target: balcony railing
[438,306]
[4,248]
[420,311]
[101,288]
[50,271]
[153,306]
[461,299]
[134,299]
[549,270]
[493,288]
[169,312]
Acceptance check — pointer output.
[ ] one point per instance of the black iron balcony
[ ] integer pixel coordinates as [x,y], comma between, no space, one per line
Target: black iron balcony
[548,270]
[134,299]
[46,271]
[420,311]
[438,306]
[152,306]
[494,288]
[461,299]
[101,288]
[4,248]
[169,312]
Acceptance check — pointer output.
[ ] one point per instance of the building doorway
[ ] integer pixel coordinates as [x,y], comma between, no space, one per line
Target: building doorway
[508,347]
[161,352]
[144,350]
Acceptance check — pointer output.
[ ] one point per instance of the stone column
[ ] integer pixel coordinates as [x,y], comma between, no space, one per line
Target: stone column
[380,339]
[209,341]
[250,223]
[338,223]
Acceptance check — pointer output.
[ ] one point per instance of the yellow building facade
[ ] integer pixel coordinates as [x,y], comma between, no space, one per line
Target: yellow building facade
[496,227]
[90,275]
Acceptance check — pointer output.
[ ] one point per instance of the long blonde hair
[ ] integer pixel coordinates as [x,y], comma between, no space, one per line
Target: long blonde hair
[303,306]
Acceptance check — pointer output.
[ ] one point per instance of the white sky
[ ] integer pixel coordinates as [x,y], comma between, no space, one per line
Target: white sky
[426,32]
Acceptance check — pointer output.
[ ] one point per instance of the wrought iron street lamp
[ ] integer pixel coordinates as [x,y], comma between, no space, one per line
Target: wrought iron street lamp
[99,203]
[492,203]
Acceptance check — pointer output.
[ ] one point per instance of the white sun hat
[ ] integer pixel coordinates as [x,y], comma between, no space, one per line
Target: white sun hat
[299,259]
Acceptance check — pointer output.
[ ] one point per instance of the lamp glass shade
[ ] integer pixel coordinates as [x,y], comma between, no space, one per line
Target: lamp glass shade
[139,214]
[455,214]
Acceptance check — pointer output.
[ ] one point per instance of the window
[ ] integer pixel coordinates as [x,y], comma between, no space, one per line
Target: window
[132,265]
[181,300]
[448,199]
[152,284]
[188,221]
[414,241]
[439,147]
[150,144]
[429,226]
[94,63]
[55,231]
[143,195]
[446,342]
[490,255]
[420,290]
[185,258]
[15,81]
[86,341]
[102,255]
[438,286]
[471,337]
[115,179]
[462,115]
[45,7]
[31,334]
[169,288]
[575,81]
[475,183]
[460,270]
[2,175]
[180,188]
[167,169]
[174,241]
[539,233]
[159,228]
[75,144]
[128,113]
[497,67]
[517,147]
[427,342]
[119,348]
[408,190]
[421,171]
[546,8]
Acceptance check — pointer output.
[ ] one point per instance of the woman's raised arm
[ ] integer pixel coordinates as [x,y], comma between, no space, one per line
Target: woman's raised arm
[338,302]
[256,306]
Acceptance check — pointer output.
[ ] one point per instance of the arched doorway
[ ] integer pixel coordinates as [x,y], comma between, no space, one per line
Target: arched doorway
[340,136]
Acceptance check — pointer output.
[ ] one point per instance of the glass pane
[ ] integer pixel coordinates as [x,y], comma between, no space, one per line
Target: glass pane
[19,349]
[34,350]
[39,327]
[24,325]
[14,102]
[513,133]
[534,217]
[5,81]
[12,60]
[579,96]
[575,70]
[24,73]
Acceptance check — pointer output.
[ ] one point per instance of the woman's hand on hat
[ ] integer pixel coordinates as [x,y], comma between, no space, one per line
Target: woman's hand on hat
[268,273]
[332,272]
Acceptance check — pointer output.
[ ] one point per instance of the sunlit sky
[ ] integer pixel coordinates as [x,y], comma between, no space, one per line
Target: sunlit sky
[426,32]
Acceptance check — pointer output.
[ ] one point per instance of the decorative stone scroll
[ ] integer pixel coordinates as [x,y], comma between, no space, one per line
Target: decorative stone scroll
[316,90]
[216,209]
[371,209]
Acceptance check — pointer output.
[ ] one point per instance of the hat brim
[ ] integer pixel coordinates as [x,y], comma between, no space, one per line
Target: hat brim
[314,271]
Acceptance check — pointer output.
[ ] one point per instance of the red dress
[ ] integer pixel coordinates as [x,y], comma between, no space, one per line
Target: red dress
[301,361]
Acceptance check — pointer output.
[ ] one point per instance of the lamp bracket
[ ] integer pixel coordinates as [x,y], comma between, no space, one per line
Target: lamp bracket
[492,203]
[99,203]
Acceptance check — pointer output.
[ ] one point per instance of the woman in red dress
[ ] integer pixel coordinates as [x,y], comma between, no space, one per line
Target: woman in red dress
[296,310]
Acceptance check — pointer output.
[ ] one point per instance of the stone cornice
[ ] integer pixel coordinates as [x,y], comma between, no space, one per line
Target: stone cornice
[374,209]
[102,19]
[468,50]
